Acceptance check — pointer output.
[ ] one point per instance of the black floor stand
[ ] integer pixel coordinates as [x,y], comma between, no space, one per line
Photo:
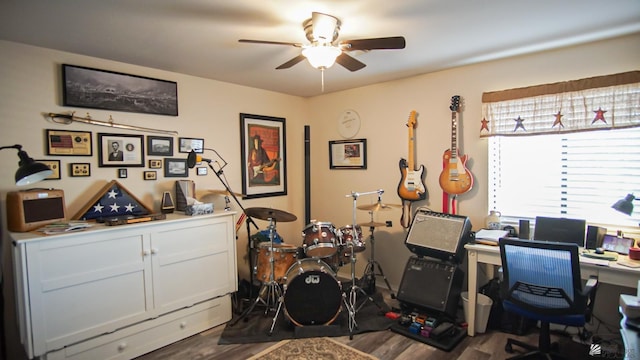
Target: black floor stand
[370,273]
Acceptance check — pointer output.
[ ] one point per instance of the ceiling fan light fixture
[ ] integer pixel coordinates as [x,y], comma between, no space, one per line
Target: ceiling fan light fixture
[321,56]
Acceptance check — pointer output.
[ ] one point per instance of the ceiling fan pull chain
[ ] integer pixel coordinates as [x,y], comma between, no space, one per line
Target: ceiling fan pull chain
[322,75]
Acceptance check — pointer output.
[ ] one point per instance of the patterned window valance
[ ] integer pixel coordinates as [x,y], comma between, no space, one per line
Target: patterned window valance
[597,103]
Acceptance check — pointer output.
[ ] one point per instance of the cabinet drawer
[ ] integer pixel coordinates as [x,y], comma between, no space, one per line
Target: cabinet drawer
[138,340]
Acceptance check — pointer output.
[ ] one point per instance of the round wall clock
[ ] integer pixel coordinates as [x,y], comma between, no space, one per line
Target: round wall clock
[348,123]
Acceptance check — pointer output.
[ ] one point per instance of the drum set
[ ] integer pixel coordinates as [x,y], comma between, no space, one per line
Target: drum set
[302,280]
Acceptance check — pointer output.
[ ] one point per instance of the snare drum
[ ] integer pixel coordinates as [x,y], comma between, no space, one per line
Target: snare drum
[284,255]
[312,294]
[319,240]
[348,236]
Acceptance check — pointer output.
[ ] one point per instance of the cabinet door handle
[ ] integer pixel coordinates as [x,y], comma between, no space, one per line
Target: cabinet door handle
[183,324]
[122,346]
[154,250]
[145,252]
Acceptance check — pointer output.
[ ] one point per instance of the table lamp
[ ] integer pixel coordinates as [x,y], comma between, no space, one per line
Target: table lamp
[29,171]
[625,205]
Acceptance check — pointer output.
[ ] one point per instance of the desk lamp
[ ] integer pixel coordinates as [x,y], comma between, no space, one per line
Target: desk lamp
[625,205]
[29,170]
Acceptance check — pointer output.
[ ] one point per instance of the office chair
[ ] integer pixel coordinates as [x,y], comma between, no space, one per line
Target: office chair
[542,282]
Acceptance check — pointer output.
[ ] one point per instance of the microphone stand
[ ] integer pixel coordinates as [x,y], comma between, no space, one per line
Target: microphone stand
[248,219]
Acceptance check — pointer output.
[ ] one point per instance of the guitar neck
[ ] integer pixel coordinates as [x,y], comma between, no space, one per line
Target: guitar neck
[410,155]
[454,135]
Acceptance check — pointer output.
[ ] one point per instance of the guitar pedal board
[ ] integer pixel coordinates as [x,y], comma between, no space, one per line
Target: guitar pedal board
[439,333]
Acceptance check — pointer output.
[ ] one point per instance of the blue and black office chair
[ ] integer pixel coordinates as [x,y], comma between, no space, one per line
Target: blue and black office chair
[542,282]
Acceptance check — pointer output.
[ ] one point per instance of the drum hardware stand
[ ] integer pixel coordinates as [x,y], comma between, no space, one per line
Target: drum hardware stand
[270,289]
[369,270]
[353,292]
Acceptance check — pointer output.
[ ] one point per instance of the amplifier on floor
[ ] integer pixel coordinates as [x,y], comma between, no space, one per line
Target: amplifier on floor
[431,284]
[438,235]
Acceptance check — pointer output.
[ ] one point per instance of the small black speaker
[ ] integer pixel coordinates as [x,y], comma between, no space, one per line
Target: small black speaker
[431,284]
[523,229]
[595,234]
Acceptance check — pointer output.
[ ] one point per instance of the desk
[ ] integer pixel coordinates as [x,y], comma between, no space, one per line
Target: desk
[486,254]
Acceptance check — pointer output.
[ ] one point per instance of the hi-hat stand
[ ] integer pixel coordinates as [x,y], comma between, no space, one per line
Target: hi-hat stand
[369,270]
[354,288]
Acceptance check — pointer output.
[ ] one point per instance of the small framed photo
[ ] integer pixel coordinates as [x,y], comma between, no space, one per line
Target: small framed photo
[188,144]
[68,143]
[174,167]
[150,175]
[79,169]
[160,145]
[201,171]
[348,154]
[122,173]
[120,150]
[155,164]
[54,165]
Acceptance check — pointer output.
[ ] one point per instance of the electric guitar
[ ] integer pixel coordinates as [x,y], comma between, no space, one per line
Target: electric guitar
[261,169]
[455,178]
[411,186]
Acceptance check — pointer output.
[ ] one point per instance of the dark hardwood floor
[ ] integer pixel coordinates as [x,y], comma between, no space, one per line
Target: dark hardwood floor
[382,344]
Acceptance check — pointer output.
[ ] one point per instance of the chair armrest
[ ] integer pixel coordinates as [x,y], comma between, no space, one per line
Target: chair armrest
[589,292]
[590,286]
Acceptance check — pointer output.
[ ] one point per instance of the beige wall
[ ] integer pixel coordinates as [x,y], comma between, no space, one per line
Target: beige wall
[210,110]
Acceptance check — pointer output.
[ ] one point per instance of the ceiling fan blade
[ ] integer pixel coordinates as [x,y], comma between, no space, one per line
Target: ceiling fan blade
[269,42]
[349,62]
[394,42]
[291,62]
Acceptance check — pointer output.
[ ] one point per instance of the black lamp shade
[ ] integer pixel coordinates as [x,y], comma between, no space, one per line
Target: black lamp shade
[625,205]
[30,171]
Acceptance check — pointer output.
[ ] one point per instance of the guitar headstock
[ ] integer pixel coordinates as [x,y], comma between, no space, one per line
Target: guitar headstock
[455,103]
[412,119]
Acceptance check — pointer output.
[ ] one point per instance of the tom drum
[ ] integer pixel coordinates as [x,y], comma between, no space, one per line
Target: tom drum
[319,240]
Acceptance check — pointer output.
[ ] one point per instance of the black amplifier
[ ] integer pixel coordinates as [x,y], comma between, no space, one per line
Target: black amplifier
[431,284]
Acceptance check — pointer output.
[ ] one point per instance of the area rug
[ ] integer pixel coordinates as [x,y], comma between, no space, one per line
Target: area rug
[256,327]
[321,348]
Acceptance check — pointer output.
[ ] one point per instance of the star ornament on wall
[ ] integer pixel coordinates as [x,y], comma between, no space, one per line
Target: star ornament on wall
[485,125]
[558,120]
[519,124]
[599,116]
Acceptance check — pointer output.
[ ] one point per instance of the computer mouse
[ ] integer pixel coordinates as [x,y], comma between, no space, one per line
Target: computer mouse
[599,250]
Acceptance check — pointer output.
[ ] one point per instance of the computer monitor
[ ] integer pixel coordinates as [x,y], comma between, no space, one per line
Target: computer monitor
[560,230]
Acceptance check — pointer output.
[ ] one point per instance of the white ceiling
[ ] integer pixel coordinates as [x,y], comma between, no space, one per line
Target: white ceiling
[200,37]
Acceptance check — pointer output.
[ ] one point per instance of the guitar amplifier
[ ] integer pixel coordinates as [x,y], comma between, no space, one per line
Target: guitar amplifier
[30,209]
[431,284]
[438,235]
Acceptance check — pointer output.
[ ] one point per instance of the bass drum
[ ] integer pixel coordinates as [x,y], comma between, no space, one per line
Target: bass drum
[312,294]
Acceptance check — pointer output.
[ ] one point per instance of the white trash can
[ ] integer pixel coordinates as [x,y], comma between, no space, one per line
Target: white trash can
[483,309]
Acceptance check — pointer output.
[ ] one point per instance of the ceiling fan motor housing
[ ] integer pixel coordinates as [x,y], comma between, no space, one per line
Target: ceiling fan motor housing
[322,28]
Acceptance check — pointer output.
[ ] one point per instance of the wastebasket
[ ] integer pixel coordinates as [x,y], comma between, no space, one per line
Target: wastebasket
[483,309]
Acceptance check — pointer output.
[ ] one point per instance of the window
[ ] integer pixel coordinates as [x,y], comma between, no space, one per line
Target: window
[565,154]
[574,175]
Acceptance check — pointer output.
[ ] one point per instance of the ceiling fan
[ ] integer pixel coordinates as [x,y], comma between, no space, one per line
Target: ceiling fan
[322,31]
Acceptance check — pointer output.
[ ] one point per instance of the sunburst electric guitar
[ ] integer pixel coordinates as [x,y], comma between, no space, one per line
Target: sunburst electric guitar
[455,178]
[411,185]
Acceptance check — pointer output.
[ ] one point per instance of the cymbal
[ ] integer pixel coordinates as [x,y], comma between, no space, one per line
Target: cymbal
[378,206]
[268,213]
[221,192]
[372,224]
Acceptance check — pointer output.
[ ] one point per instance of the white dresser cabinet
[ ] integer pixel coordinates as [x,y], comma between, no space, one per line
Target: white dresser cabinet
[116,292]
